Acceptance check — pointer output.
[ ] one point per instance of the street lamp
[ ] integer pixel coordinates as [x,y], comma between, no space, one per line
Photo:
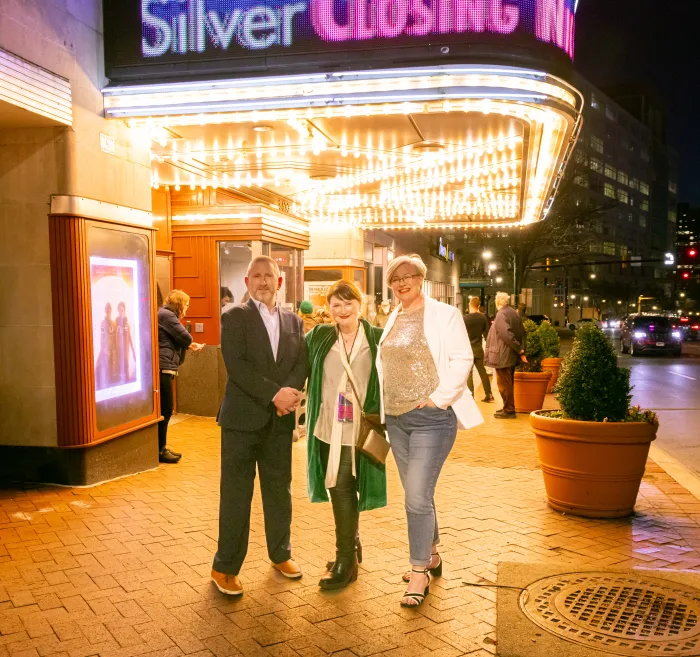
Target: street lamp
[592,276]
[486,255]
[682,295]
[493,266]
[572,296]
[619,303]
[499,279]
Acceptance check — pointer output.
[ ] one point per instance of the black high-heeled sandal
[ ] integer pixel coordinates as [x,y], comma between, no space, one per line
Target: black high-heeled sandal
[419,598]
[435,572]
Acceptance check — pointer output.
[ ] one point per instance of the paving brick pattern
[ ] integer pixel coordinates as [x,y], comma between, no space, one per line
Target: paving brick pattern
[122,569]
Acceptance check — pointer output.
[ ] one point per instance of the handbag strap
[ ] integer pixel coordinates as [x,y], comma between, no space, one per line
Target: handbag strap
[348,373]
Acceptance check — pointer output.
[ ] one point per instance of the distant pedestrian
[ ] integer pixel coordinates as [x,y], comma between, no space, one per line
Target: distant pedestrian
[423,362]
[382,316]
[504,349]
[522,311]
[173,343]
[478,329]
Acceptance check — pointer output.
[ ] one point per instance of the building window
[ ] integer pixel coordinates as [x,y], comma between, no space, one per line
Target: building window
[644,188]
[622,178]
[644,206]
[672,216]
[597,144]
[609,248]
[610,113]
[672,187]
[610,171]
[634,183]
[595,103]
[642,221]
[609,190]
[645,155]
[582,181]
[623,196]
[630,217]
[596,165]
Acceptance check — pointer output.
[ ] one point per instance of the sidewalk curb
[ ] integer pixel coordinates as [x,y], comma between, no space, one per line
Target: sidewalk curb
[676,470]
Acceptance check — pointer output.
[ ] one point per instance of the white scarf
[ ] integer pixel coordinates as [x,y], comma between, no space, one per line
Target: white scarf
[336,442]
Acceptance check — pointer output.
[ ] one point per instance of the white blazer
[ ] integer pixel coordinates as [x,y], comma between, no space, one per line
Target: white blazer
[451,350]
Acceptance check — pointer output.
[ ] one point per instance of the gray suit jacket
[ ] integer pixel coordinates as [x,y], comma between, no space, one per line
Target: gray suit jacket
[254,375]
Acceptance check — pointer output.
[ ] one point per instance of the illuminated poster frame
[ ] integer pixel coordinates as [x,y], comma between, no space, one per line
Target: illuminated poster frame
[174,39]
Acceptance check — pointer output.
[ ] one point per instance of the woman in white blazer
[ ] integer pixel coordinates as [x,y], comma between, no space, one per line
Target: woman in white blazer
[423,360]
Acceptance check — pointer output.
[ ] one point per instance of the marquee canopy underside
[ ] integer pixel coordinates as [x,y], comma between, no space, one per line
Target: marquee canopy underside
[442,147]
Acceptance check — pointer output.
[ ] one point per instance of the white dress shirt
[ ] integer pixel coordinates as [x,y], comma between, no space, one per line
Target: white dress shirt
[272,324]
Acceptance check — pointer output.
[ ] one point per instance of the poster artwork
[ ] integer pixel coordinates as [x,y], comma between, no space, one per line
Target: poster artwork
[115,327]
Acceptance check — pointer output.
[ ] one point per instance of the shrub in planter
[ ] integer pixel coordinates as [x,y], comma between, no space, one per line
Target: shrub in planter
[594,450]
[530,381]
[550,345]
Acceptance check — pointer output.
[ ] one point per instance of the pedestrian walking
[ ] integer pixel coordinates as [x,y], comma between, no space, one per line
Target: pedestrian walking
[264,351]
[423,360]
[504,349]
[342,361]
[173,342]
[478,329]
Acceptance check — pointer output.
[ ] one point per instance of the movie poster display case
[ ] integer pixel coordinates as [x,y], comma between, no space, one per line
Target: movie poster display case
[105,324]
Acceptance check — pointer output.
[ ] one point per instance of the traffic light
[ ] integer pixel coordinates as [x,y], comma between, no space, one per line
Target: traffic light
[692,253]
[685,275]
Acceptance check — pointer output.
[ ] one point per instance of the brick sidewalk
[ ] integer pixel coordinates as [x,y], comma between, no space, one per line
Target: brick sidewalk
[123,568]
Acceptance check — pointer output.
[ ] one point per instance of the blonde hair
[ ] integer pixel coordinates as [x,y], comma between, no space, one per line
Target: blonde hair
[412,259]
[262,258]
[502,299]
[178,300]
[474,302]
[345,291]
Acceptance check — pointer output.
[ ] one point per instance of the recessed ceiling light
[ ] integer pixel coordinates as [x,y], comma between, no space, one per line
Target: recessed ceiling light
[321,176]
[262,128]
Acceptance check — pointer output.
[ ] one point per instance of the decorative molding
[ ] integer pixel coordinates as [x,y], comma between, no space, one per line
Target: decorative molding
[35,89]
[79,206]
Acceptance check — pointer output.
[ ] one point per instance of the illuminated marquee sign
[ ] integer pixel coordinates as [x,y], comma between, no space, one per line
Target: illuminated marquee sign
[200,26]
[195,37]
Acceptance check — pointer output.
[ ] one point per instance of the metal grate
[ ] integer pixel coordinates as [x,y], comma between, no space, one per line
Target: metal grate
[617,613]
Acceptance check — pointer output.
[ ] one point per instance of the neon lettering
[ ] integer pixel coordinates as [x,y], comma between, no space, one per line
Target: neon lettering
[423,19]
[224,31]
[288,13]
[470,16]
[260,19]
[163,33]
[323,20]
[392,16]
[359,17]
[554,23]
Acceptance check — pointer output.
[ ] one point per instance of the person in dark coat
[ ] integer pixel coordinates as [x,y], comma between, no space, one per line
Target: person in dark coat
[478,327]
[264,351]
[173,343]
[504,349]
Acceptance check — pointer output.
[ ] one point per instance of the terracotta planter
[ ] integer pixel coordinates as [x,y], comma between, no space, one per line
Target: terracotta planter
[530,390]
[592,469]
[552,365]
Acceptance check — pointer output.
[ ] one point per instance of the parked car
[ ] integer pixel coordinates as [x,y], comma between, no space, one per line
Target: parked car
[538,319]
[643,334]
[689,326]
[584,322]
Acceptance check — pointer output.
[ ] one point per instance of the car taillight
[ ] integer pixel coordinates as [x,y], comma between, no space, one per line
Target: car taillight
[695,327]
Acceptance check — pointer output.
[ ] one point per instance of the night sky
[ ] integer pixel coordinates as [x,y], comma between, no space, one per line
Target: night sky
[655,43]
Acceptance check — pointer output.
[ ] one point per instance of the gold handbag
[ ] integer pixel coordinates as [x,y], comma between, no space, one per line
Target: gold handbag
[371,440]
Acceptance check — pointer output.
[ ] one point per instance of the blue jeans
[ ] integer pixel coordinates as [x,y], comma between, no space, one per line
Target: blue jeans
[421,441]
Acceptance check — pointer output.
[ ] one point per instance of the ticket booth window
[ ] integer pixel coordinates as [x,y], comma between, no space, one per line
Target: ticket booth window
[291,269]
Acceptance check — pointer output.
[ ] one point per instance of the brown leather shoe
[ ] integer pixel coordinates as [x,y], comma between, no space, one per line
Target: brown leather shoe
[289,568]
[228,584]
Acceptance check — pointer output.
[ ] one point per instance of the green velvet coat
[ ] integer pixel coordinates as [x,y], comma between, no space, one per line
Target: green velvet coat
[371,477]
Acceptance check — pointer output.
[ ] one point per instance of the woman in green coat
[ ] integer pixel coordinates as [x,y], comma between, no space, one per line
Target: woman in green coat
[341,355]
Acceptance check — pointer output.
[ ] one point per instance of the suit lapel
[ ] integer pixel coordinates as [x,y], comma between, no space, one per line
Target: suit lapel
[285,330]
[262,330]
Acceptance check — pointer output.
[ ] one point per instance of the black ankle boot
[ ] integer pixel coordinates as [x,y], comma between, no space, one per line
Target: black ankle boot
[344,572]
[358,551]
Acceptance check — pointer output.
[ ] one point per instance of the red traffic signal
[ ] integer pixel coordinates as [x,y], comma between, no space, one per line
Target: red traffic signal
[692,253]
[685,275]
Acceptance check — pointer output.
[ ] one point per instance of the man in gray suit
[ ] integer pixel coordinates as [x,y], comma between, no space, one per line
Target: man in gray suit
[264,351]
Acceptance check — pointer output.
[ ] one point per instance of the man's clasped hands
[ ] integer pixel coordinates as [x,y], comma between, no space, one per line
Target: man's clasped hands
[286,400]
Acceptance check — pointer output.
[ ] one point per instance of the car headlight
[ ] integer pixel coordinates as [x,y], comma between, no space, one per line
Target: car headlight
[676,335]
[640,334]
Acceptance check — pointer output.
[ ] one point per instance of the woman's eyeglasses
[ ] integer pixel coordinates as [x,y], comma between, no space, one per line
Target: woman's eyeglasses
[404,279]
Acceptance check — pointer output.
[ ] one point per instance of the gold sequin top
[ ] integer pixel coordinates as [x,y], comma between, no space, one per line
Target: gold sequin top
[410,375]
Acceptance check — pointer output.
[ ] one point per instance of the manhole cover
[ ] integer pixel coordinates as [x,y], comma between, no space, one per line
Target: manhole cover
[617,612]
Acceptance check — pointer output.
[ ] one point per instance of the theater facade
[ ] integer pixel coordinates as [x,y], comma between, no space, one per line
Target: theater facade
[328,134]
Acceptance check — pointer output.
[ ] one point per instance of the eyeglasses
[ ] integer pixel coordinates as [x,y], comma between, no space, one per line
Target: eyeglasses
[404,279]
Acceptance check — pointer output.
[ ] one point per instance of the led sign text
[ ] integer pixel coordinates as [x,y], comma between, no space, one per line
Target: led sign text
[184,26]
